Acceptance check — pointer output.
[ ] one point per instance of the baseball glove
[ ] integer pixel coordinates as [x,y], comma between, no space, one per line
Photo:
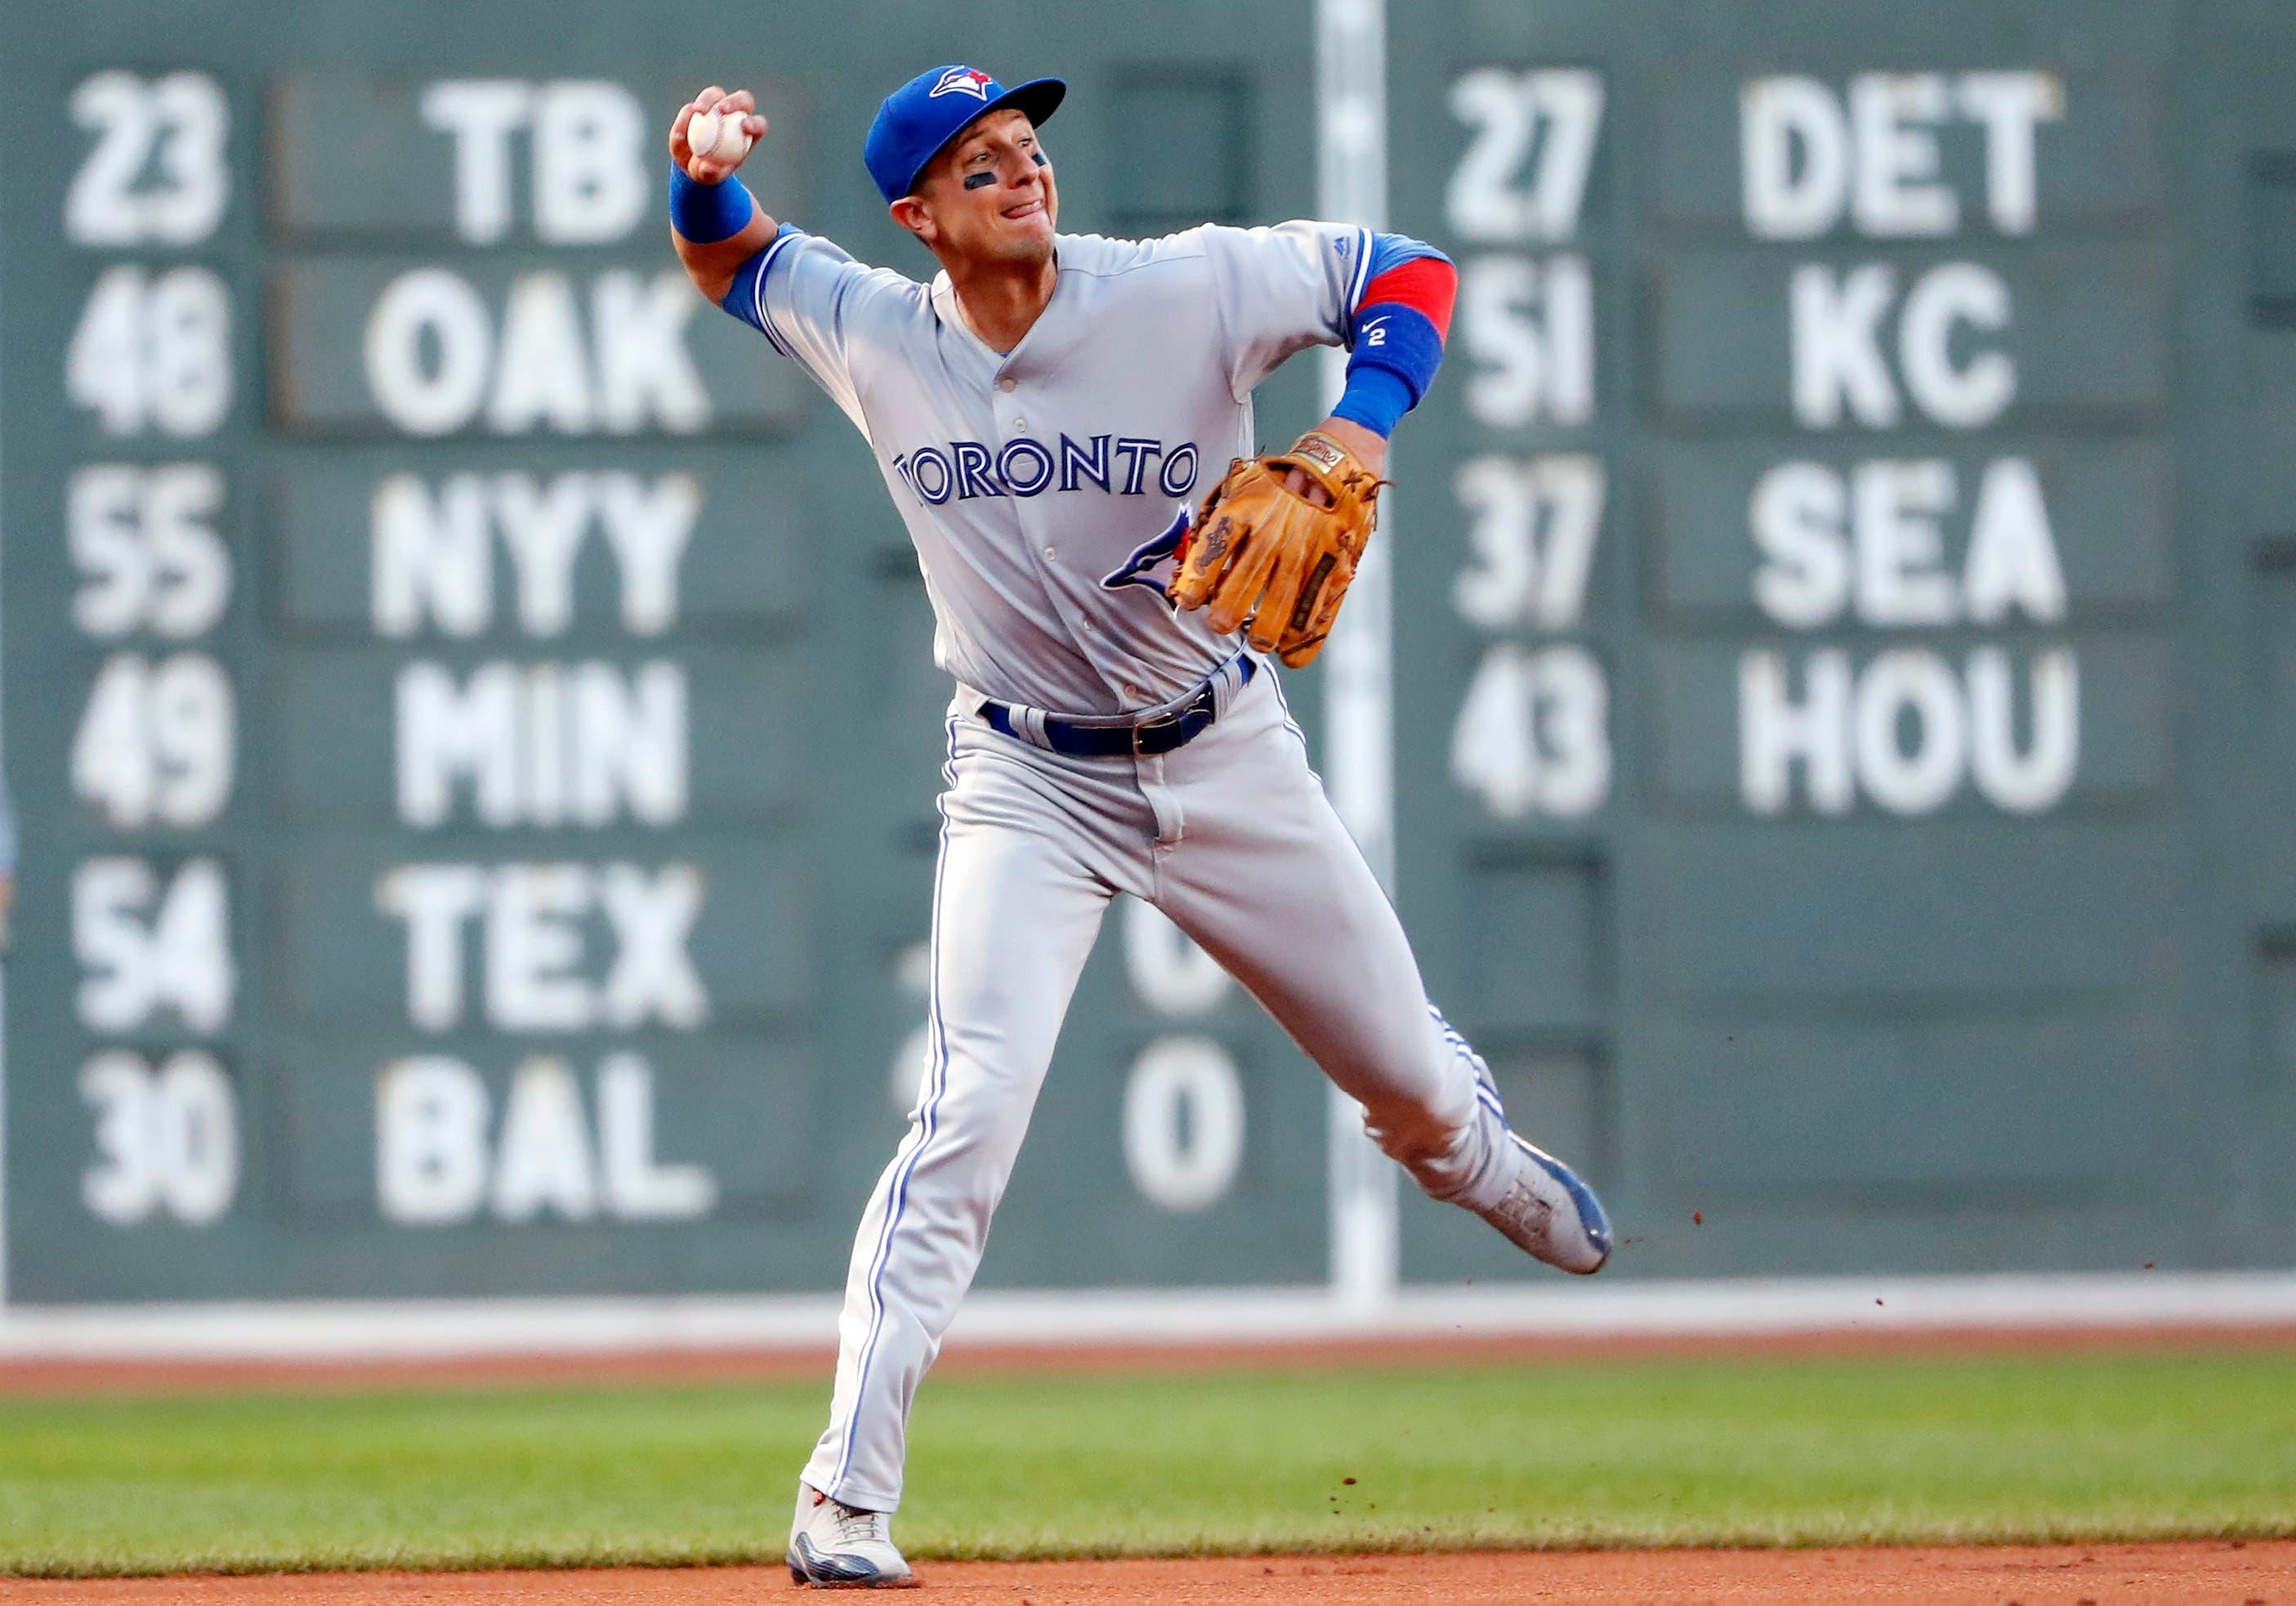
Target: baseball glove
[1262,557]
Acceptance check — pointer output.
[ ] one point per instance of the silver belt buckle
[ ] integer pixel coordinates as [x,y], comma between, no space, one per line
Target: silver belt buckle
[1170,717]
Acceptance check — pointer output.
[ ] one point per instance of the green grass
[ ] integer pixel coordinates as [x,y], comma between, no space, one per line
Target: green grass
[1572,1455]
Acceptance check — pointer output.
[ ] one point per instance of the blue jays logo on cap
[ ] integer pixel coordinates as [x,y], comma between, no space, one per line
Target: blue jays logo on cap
[919,119]
[963,80]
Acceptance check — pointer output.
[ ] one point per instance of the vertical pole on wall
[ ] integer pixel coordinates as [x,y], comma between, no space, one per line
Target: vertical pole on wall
[1357,665]
[7,799]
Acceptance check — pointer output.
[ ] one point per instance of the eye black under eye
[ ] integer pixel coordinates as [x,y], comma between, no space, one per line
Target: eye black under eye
[1039,158]
[979,181]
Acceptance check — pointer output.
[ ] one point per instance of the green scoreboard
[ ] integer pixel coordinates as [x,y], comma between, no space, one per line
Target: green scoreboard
[470,712]
[1847,738]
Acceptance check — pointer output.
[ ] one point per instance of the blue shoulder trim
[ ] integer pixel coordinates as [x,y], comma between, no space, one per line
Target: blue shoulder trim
[746,299]
[1393,251]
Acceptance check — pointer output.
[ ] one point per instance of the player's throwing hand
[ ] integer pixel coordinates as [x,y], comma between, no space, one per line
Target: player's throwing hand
[730,113]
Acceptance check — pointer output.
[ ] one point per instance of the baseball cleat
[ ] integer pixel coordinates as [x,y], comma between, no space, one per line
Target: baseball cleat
[833,1545]
[1551,1215]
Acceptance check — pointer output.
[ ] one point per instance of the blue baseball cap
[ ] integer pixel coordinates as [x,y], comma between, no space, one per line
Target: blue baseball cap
[918,120]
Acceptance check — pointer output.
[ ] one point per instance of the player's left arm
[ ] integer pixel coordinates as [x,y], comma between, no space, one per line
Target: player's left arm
[1395,332]
[1282,534]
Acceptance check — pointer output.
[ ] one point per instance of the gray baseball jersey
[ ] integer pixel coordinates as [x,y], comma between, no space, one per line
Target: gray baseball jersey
[1040,486]
[1036,482]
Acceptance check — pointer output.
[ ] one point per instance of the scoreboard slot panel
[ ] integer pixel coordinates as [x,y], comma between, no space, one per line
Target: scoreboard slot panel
[458,1135]
[480,160]
[1757,340]
[1533,936]
[1958,1112]
[2270,886]
[623,938]
[2271,208]
[1921,913]
[1999,726]
[1939,533]
[2271,393]
[624,738]
[483,543]
[532,347]
[2266,1108]
[1782,140]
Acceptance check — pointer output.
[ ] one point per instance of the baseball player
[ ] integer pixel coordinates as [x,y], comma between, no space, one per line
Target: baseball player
[1051,414]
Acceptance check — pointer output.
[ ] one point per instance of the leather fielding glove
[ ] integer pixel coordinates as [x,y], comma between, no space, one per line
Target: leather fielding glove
[1267,560]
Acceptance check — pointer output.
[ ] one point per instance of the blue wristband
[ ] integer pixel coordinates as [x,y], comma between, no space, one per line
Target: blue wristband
[1396,353]
[707,213]
[1375,399]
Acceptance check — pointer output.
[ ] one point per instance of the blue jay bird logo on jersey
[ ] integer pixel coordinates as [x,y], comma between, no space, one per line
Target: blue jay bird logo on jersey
[962,81]
[1152,564]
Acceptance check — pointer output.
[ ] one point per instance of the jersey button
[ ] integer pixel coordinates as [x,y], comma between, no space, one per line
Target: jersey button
[1051,553]
[1132,691]
[1008,386]
[1020,424]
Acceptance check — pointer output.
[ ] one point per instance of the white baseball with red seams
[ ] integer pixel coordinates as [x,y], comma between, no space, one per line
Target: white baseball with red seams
[714,138]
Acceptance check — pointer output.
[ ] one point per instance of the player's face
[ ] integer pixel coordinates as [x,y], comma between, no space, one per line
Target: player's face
[990,196]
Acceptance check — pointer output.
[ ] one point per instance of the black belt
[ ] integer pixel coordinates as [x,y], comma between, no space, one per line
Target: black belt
[1172,729]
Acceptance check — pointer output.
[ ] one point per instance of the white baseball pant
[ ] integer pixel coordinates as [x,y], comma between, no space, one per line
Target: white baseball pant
[1232,837]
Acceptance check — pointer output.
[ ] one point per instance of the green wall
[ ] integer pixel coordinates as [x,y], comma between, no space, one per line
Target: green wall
[1843,650]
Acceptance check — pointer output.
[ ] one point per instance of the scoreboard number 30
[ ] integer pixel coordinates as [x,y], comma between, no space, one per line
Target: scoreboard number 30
[167,1138]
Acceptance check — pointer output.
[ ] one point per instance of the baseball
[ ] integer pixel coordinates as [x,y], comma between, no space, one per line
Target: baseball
[715,139]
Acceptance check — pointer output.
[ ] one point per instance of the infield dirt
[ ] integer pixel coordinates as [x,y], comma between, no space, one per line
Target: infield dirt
[2193,1574]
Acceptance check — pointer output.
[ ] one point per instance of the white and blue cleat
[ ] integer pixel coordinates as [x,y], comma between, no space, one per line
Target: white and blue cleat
[1548,1213]
[833,1545]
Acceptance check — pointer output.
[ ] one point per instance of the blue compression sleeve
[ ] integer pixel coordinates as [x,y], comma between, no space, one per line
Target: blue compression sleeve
[1375,399]
[1396,352]
[707,213]
[1394,339]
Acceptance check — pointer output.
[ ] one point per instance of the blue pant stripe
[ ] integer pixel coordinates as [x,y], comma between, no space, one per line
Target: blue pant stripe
[1290,723]
[1487,1091]
[937,1083]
